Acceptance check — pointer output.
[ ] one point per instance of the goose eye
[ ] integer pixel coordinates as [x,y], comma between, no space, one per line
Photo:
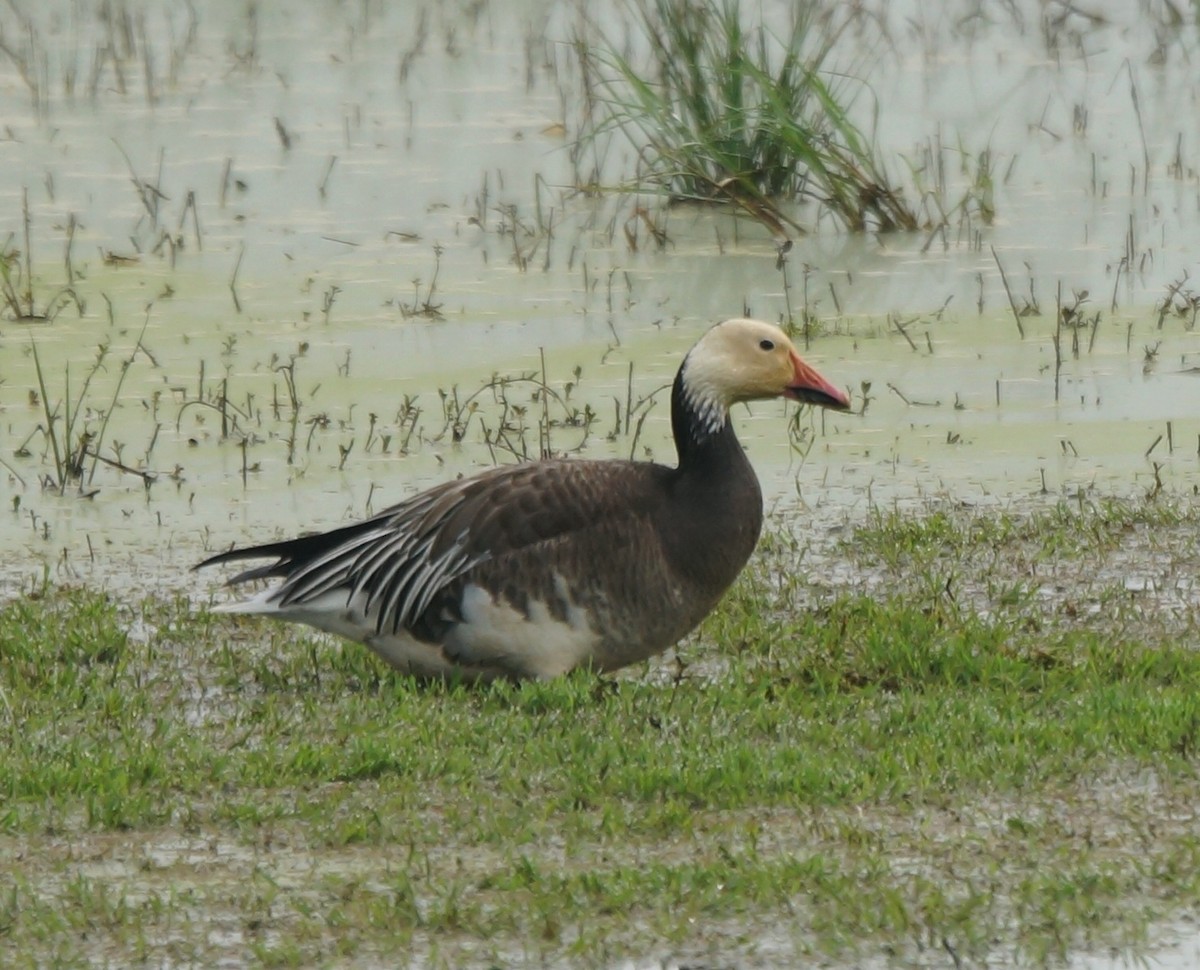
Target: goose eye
[765,344]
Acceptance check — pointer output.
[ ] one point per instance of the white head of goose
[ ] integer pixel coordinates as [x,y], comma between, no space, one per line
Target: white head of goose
[531,570]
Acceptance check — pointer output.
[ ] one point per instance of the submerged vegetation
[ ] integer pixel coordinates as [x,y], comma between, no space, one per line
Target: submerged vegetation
[74,430]
[719,110]
[17,299]
[823,771]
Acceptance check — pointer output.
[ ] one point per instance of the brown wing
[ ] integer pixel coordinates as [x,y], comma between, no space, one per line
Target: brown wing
[404,558]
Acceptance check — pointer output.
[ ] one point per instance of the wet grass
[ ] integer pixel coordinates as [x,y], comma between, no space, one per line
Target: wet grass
[881,767]
[723,109]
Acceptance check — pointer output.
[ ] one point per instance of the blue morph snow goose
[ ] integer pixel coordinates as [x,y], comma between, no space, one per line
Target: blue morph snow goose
[532,570]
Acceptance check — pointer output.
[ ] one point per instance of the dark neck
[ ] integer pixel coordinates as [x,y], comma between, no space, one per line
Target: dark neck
[715,516]
[697,443]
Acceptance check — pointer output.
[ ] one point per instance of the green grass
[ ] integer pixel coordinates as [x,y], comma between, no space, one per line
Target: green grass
[722,109]
[829,772]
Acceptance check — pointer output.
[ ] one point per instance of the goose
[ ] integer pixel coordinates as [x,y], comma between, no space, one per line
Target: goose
[529,571]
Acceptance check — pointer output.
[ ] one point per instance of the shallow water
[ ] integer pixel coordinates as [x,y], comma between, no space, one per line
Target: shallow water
[397,145]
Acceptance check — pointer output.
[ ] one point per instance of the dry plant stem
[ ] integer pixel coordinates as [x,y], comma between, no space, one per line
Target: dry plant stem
[1137,111]
[49,415]
[148,478]
[903,328]
[1011,302]
[148,194]
[12,471]
[26,222]
[72,224]
[237,304]
[189,205]
[637,432]
[544,423]
[324,183]
[629,397]
[781,265]
[1058,321]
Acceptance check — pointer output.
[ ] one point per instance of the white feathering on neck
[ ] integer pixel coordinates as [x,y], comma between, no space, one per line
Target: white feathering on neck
[704,395]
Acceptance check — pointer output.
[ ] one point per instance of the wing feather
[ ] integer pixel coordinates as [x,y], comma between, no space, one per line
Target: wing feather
[401,559]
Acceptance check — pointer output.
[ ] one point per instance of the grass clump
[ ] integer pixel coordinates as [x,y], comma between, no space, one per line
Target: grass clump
[16,279]
[70,437]
[719,111]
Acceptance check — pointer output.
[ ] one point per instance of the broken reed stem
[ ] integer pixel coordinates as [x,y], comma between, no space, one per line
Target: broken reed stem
[28,253]
[544,424]
[629,398]
[1058,316]
[903,331]
[237,304]
[153,442]
[781,262]
[72,224]
[807,317]
[1117,282]
[146,477]
[1137,112]
[637,433]
[1011,302]
[189,205]
[323,185]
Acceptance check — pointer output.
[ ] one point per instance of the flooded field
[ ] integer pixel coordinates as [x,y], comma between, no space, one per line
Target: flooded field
[270,267]
[266,202]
